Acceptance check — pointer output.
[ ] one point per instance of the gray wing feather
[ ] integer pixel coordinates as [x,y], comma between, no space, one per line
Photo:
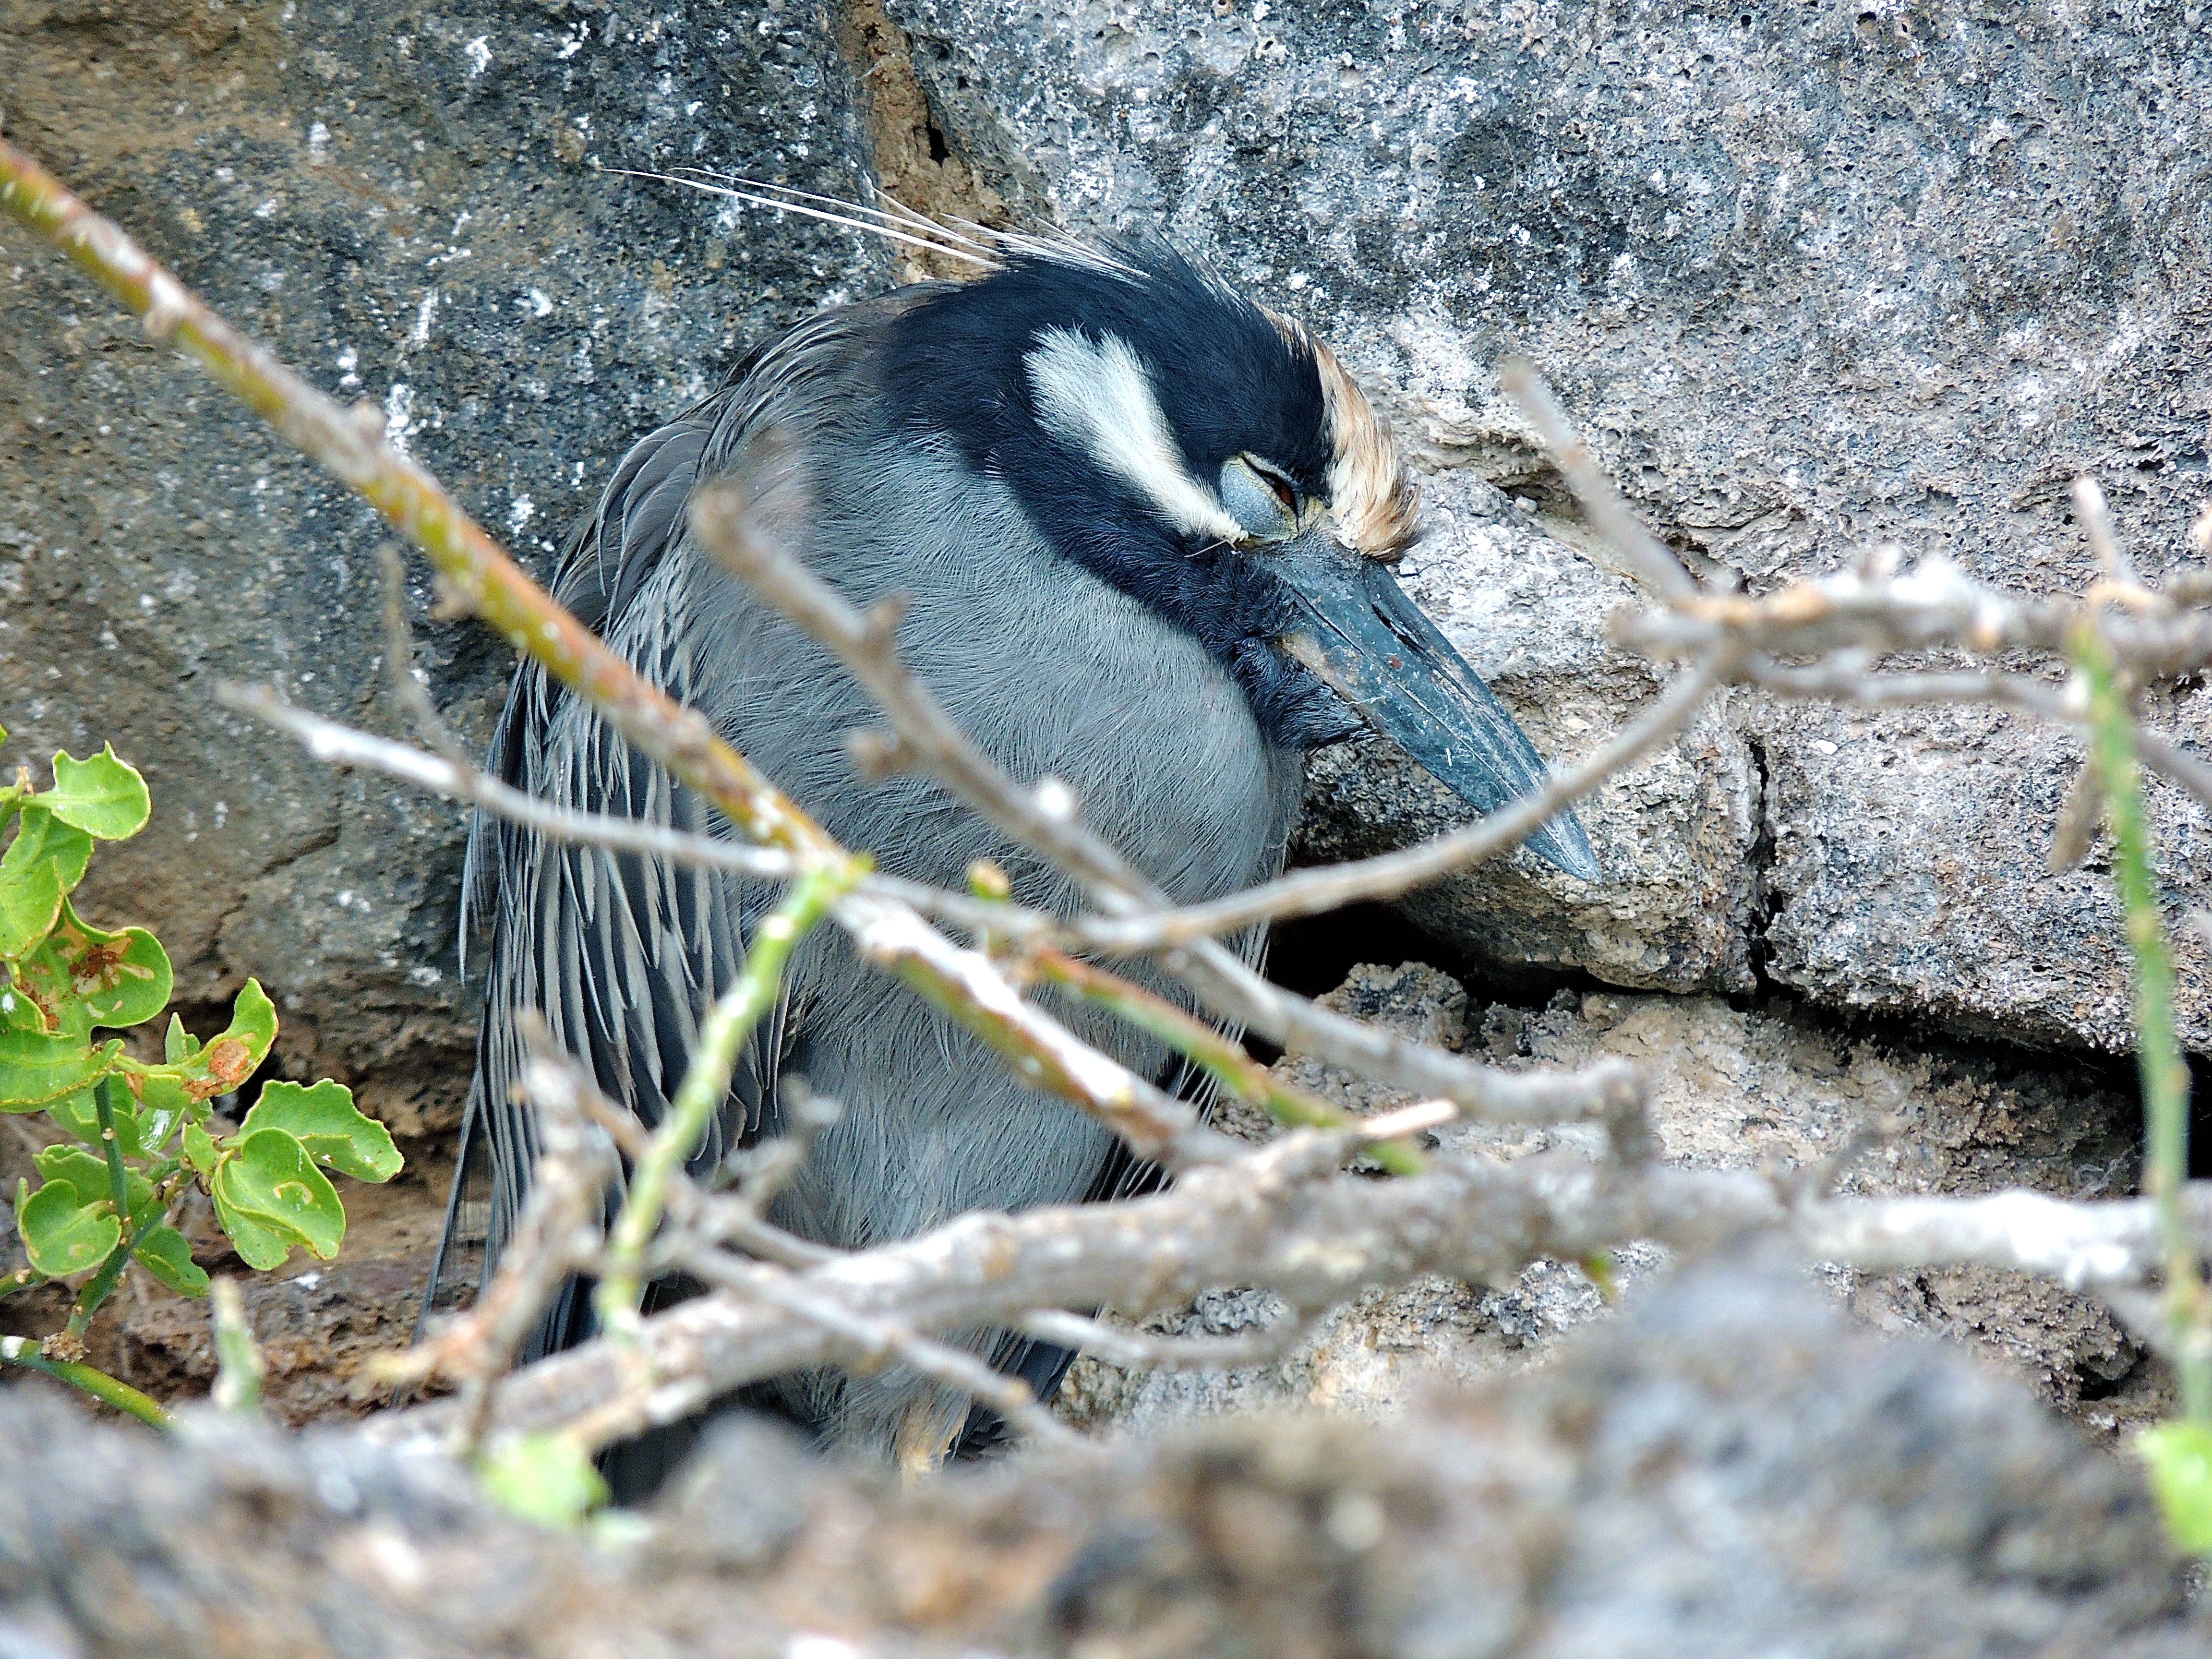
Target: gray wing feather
[621,955]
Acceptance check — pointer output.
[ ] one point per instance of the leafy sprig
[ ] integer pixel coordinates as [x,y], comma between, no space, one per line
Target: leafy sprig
[139,1133]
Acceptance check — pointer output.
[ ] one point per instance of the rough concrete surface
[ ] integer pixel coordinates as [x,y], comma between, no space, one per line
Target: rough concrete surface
[1730,1469]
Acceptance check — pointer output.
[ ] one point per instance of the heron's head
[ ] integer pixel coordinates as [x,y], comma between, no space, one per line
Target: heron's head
[1215,462]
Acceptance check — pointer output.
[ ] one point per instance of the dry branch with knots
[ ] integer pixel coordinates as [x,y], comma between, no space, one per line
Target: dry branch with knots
[1286,1217]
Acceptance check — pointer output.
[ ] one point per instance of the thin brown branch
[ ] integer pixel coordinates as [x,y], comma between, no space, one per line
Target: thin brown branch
[868,1343]
[2083,1245]
[1135,1350]
[346,746]
[1859,688]
[430,726]
[1222,1057]
[1935,605]
[557,1233]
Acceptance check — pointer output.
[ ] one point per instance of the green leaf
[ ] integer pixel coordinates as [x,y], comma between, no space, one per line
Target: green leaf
[80,977]
[78,1116]
[37,1070]
[226,1063]
[2179,1456]
[61,1235]
[324,1119]
[200,1150]
[168,1257]
[159,1106]
[260,1247]
[545,1477]
[177,1043]
[46,858]
[269,1176]
[74,1166]
[103,796]
[87,1171]
[18,1013]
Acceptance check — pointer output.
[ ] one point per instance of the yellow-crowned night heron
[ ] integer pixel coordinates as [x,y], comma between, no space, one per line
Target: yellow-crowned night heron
[1144,527]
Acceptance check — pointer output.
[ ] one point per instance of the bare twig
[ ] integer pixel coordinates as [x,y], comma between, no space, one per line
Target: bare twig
[343,746]
[1647,555]
[1391,875]
[241,1367]
[1278,1219]
[2096,521]
[1935,605]
[869,1343]
[399,662]
[1135,1350]
[338,745]
[558,1232]
[2080,1244]
[1222,1059]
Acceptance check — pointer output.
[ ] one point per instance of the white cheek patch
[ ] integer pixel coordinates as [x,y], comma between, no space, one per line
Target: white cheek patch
[1095,396]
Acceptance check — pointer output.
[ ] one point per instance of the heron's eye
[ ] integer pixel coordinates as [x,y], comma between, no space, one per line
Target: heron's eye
[1261,499]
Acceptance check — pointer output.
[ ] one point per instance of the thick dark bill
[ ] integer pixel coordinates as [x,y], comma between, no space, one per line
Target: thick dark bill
[1386,658]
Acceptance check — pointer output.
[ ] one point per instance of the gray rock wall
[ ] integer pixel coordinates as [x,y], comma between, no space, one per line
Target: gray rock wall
[403,204]
[1812,277]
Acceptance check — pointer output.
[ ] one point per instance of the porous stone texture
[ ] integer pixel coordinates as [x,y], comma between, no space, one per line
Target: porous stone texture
[1812,278]
[406,207]
[1729,1089]
[1731,1469]
[1909,873]
[1777,1090]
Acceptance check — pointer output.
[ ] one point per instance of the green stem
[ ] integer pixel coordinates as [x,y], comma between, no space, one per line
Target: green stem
[1224,1061]
[109,1390]
[118,1189]
[2165,1074]
[239,1368]
[706,1084]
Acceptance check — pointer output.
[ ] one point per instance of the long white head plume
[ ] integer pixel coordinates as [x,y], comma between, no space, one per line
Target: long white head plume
[983,246]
